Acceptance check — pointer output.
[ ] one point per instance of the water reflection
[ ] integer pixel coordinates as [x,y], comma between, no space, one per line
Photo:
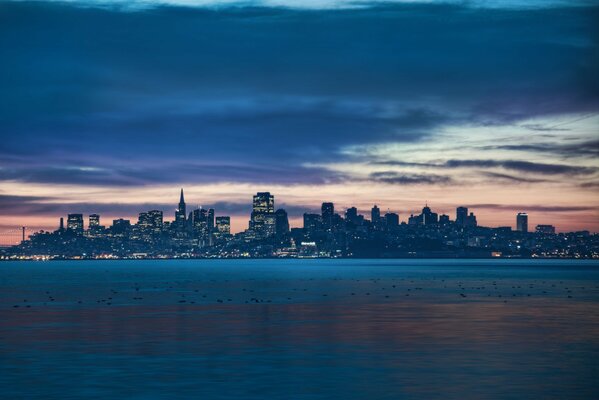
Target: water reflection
[350,330]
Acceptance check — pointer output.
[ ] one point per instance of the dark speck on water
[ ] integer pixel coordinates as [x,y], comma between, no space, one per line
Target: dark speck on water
[299,329]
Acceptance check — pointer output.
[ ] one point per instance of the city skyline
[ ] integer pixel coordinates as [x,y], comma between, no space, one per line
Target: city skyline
[183,213]
[329,233]
[107,105]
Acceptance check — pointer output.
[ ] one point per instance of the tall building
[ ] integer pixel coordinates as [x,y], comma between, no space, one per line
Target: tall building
[471,220]
[120,227]
[428,217]
[391,220]
[263,220]
[94,222]
[200,226]
[312,223]
[281,223]
[375,215]
[156,220]
[263,202]
[443,219]
[327,212]
[211,219]
[75,223]
[461,214]
[351,214]
[223,226]
[522,222]
[180,217]
[143,221]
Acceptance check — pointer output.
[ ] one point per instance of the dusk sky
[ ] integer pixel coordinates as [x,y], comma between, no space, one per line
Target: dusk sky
[113,106]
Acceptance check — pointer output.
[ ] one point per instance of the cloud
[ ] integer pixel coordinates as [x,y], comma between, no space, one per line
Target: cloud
[523,166]
[514,165]
[15,204]
[511,178]
[588,148]
[392,177]
[537,208]
[253,83]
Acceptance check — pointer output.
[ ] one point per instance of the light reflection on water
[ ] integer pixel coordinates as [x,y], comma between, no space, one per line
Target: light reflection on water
[259,329]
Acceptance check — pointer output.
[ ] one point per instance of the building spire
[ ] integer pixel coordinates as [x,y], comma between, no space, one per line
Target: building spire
[181,200]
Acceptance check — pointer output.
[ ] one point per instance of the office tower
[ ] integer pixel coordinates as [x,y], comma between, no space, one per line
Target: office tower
[94,222]
[461,215]
[143,221]
[156,220]
[180,212]
[281,223]
[522,222]
[263,202]
[143,229]
[75,223]
[471,220]
[375,215]
[61,226]
[327,212]
[120,227]
[391,220]
[263,220]
[200,225]
[211,219]
[338,223]
[223,226]
[312,222]
[351,215]
[428,217]
[443,219]
[545,229]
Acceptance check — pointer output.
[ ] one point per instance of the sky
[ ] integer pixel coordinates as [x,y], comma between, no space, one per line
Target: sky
[113,106]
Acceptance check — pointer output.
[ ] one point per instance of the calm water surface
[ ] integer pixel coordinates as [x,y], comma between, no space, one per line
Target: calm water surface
[309,329]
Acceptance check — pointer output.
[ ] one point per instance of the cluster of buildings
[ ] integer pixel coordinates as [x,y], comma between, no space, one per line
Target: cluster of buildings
[200,233]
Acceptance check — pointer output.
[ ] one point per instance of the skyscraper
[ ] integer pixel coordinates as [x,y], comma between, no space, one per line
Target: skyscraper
[375,215]
[391,220]
[522,222]
[471,220]
[94,222]
[281,223]
[312,223]
[428,217]
[180,217]
[200,226]
[327,211]
[443,219]
[461,215]
[156,220]
[351,215]
[120,227]
[75,223]
[223,226]
[210,219]
[263,202]
[262,220]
